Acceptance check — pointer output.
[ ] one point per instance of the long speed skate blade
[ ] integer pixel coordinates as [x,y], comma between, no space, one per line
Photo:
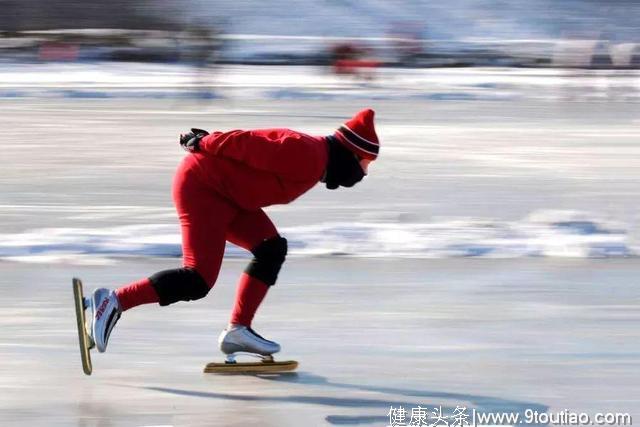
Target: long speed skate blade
[83,338]
[250,368]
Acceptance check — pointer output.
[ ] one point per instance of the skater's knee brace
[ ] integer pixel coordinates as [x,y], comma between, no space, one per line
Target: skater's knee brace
[268,257]
[179,284]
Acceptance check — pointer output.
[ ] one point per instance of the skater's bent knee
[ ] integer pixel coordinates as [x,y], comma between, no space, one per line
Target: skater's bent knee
[179,284]
[268,258]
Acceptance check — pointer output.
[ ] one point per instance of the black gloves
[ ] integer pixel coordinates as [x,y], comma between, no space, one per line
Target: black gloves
[191,141]
[343,168]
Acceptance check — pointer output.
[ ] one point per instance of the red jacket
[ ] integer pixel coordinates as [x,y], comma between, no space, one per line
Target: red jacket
[261,167]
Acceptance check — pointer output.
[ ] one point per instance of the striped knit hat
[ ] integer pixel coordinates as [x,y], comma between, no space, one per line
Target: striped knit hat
[359,135]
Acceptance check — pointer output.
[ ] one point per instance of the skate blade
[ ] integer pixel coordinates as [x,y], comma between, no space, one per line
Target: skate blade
[86,342]
[251,367]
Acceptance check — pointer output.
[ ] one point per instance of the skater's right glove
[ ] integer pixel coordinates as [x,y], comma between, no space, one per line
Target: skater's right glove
[191,141]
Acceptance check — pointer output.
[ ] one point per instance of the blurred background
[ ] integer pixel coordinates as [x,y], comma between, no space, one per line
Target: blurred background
[541,93]
[194,49]
[345,34]
[493,248]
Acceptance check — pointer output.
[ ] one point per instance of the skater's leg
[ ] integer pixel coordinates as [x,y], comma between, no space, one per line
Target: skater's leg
[136,293]
[254,231]
[204,217]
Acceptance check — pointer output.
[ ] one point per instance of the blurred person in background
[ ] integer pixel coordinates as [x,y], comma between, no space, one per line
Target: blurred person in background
[353,59]
[201,49]
[220,190]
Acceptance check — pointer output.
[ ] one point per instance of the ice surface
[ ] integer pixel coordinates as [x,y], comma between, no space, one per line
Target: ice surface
[493,335]
[496,334]
[454,179]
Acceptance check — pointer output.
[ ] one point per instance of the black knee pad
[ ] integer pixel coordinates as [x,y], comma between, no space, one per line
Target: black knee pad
[179,284]
[268,257]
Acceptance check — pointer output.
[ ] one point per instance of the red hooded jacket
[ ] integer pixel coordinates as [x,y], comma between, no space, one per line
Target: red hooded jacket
[261,167]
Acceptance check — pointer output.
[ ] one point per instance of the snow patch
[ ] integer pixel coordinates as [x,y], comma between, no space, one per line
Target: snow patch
[542,234]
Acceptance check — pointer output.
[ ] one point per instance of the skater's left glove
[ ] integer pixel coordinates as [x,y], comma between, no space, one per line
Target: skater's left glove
[191,141]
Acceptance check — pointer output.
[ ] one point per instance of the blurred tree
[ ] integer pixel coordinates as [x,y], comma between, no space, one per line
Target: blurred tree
[25,15]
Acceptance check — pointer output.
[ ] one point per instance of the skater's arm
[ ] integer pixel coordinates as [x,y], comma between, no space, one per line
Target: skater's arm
[287,153]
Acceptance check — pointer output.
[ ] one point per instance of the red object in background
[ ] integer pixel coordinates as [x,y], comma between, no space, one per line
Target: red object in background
[352,59]
[352,66]
[58,51]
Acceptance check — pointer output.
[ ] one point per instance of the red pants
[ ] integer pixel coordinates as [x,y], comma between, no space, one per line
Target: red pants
[207,222]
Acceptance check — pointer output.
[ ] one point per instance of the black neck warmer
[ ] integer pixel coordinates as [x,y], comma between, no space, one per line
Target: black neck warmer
[343,168]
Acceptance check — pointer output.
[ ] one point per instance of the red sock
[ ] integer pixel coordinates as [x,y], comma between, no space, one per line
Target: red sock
[249,295]
[136,293]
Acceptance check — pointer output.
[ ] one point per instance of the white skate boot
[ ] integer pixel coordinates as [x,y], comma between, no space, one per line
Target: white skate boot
[105,312]
[239,339]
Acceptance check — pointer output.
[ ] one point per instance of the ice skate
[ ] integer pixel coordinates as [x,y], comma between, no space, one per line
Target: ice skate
[94,330]
[105,311]
[240,340]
